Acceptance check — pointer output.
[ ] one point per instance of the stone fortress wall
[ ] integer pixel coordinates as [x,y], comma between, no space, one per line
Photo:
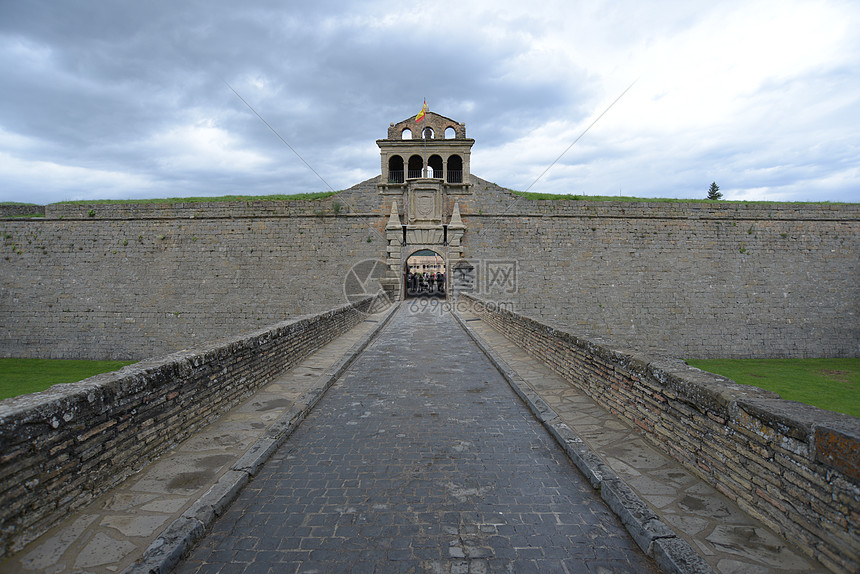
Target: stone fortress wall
[134,281]
[21,210]
[128,281]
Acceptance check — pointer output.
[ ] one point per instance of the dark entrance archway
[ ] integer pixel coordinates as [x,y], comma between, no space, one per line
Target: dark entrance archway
[425,274]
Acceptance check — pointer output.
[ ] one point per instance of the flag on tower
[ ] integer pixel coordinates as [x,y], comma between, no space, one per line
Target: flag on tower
[422,113]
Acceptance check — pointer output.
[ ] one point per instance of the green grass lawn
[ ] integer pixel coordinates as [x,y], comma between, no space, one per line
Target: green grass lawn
[24,376]
[832,384]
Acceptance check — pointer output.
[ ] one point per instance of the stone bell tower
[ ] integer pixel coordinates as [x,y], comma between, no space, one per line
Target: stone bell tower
[425,169]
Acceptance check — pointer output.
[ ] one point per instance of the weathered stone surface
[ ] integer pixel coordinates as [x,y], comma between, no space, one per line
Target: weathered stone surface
[641,522]
[254,458]
[442,471]
[838,447]
[657,277]
[217,498]
[670,279]
[675,556]
[167,550]
[137,281]
[102,549]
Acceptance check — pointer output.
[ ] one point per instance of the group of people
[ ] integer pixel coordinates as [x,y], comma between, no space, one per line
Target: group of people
[425,284]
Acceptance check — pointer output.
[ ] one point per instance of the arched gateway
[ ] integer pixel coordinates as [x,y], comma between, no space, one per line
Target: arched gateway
[424,178]
[425,274]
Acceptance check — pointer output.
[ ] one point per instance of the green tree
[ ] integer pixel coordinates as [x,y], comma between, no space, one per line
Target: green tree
[714,191]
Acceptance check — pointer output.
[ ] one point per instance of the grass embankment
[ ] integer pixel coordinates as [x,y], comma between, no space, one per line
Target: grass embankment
[279,197]
[554,197]
[832,384]
[324,194]
[24,376]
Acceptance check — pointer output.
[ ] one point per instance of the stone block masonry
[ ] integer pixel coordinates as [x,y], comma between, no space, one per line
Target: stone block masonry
[62,447]
[693,280]
[792,466]
[21,210]
[117,287]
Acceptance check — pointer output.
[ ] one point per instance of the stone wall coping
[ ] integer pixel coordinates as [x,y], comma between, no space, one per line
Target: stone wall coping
[225,217]
[196,210]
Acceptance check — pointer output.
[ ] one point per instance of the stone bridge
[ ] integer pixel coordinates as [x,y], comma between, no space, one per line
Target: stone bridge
[418,437]
[529,419]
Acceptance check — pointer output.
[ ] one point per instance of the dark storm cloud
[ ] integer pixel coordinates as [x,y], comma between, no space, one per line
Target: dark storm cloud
[128,99]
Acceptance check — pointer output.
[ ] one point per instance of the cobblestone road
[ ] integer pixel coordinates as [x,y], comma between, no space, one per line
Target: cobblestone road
[420,459]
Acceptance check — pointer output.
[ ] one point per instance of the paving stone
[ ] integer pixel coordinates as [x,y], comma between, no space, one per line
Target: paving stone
[424,455]
[45,556]
[130,525]
[102,549]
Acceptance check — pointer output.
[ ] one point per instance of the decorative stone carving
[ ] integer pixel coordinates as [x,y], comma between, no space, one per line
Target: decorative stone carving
[394,235]
[427,236]
[425,203]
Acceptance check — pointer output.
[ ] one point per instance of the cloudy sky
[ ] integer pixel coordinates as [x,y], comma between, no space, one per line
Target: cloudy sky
[129,99]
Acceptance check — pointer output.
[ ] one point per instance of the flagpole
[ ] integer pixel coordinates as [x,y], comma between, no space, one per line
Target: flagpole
[424,135]
[418,119]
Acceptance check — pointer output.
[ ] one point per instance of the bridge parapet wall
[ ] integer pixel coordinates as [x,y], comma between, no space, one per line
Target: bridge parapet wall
[62,447]
[792,466]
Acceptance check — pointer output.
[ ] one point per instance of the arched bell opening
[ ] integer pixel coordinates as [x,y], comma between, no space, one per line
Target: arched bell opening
[395,169]
[425,275]
[416,167]
[434,163]
[455,169]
